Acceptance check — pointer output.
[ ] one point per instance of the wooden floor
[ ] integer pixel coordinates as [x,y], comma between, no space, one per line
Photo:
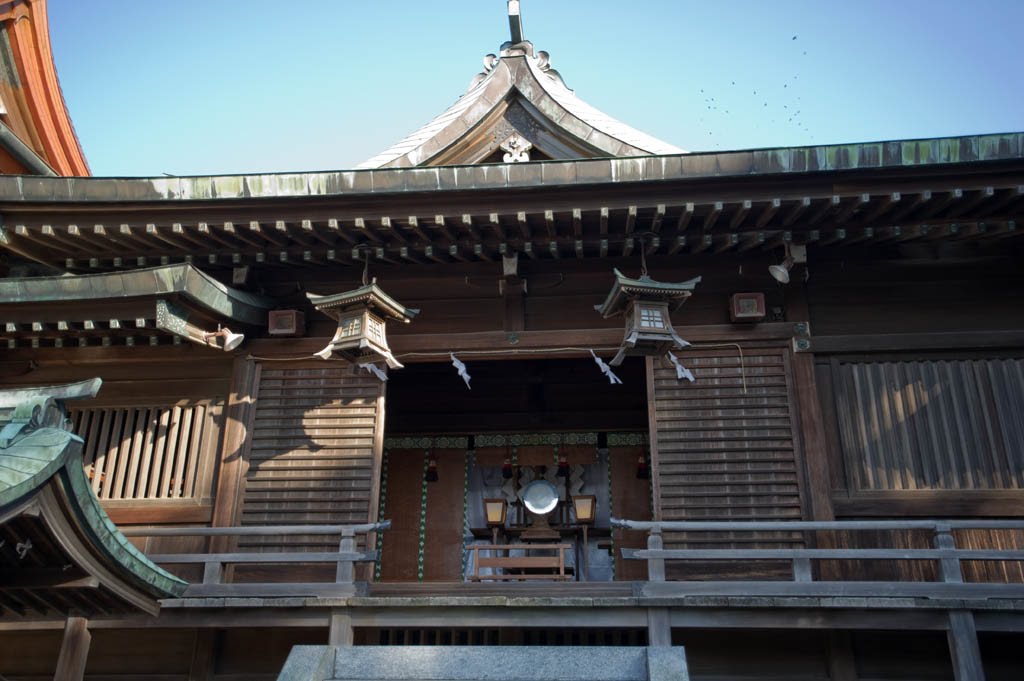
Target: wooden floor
[583,589]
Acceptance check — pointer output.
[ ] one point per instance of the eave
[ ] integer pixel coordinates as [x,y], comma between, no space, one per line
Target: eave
[950,189]
[160,302]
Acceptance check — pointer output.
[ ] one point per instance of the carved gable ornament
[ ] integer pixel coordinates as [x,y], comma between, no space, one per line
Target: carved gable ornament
[516,148]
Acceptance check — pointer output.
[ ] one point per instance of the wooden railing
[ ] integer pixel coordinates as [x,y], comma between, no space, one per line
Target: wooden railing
[214,564]
[505,566]
[945,553]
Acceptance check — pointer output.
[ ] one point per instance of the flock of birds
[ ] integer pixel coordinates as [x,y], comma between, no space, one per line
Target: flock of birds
[775,111]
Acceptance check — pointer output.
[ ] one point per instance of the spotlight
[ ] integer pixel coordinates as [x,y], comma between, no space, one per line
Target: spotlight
[231,340]
[795,253]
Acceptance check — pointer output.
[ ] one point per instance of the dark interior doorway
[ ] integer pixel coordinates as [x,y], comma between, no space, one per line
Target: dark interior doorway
[532,395]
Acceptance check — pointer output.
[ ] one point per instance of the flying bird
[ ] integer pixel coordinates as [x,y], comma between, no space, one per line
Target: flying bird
[607,370]
[461,368]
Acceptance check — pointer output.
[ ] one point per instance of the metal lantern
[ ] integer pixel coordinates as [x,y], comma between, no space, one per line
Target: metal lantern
[646,305]
[362,314]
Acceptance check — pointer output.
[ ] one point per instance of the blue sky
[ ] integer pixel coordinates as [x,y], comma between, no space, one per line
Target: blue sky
[234,86]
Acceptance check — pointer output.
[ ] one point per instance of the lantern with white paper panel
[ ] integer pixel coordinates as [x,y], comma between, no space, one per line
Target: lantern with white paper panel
[362,314]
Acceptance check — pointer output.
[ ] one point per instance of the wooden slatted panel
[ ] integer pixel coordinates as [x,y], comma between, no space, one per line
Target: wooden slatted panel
[943,424]
[311,457]
[148,452]
[725,452]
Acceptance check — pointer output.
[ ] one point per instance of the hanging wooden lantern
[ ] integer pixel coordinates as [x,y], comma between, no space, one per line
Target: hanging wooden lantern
[362,314]
[646,305]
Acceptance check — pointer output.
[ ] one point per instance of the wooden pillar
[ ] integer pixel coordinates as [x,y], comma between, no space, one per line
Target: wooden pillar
[652,438]
[203,655]
[659,627]
[234,454]
[74,650]
[963,647]
[341,632]
[841,663]
[812,425]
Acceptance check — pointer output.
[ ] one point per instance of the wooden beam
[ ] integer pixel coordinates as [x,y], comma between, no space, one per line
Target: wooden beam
[768,213]
[702,244]
[850,208]
[524,225]
[936,206]
[826,208]
[481,253]
[333,227]
[883,206]
[549,224]
[1007,197]
[577,222]
[740,215]
[727,242]
[364,230]
[578,247]
[391,229]
[630,219]
[967,205]
[74,650]
[712,217]
[255,229]
[922,199]
[467,224]
[494,221]
[603,221]
[678,244]
[751,240]
[603,247]
[684,217]
[653,243]
[414,225]
[796,211]
[627,246]
[553,249]
[659,216]
[428,250]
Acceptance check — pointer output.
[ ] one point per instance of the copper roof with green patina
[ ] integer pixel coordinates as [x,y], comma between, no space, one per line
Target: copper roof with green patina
[369,294]
[625,289]
[35,452]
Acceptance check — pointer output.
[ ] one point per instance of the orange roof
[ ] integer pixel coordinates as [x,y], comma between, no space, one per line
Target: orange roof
[31,104]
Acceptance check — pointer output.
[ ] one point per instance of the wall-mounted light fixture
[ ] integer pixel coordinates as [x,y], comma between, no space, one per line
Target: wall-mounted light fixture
[795,254]
[231,340]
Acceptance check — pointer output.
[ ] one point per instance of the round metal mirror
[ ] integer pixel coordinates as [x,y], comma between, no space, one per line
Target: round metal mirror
[540,497]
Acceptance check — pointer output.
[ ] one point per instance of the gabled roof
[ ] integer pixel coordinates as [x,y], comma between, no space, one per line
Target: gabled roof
[518,94]
[69,557]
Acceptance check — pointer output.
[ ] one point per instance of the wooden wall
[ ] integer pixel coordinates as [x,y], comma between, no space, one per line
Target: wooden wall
[311,458]
[727,446]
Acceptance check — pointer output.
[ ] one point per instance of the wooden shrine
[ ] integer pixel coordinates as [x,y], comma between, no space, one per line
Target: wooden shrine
[816,460]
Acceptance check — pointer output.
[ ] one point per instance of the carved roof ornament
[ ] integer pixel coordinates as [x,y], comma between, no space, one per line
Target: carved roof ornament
[516,148]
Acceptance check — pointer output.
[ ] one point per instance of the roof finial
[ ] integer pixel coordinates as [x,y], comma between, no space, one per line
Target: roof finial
[515,21]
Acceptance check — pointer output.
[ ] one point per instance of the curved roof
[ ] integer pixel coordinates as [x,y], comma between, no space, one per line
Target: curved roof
[518,93]
[44,495]
[36,134]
